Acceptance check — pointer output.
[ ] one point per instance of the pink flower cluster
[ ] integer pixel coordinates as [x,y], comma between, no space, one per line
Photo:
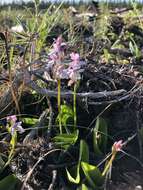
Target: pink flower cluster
[117,146]
[14,126]
[73,70]
[57,53]
[11,118]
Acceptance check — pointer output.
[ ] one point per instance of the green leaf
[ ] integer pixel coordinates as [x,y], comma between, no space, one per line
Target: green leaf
[66,115]
[84,152]
[84,187]
[65,140]
[29,120]
[134,48]
[92,174]
[73,175]
[100,136]
[9,183]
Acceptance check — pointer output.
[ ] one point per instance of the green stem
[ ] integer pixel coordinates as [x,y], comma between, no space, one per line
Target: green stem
[59,104]
[74,105]
[109,164]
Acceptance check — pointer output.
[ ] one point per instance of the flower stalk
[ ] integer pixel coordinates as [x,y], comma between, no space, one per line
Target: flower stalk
[74,104]
[59,104]
[117,147]
[109,164]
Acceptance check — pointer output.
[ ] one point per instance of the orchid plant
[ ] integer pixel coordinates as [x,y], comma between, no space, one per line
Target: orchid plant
[71,72]
[56,57]
[13,126]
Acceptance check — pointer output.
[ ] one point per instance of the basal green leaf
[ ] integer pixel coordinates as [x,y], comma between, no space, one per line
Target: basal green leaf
[66,140]
[92,174]
[84,187]
[100,136]
[84,152]
[73,175]
[9,183]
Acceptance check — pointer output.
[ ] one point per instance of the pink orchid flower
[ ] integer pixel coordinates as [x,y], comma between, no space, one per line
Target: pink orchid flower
[14,126]
[74,76]
[75,68]
[57,53]
[75,57]
[53,57]
[17,127]
[76,64]
[11,118]
[117,146]
[58,44]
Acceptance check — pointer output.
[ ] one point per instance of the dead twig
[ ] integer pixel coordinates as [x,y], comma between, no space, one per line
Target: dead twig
[69,94]
[54,173]
[128,95]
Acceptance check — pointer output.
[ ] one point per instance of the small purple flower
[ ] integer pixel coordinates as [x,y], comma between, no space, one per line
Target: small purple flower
[53,57]
[11,118]
[75,57]
[13,125]
[59,45]
[17,127]
[57,53]
[75,68]
[74,76]
[76,64]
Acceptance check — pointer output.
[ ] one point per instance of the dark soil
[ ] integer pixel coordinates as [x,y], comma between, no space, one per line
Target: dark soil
[122,121]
